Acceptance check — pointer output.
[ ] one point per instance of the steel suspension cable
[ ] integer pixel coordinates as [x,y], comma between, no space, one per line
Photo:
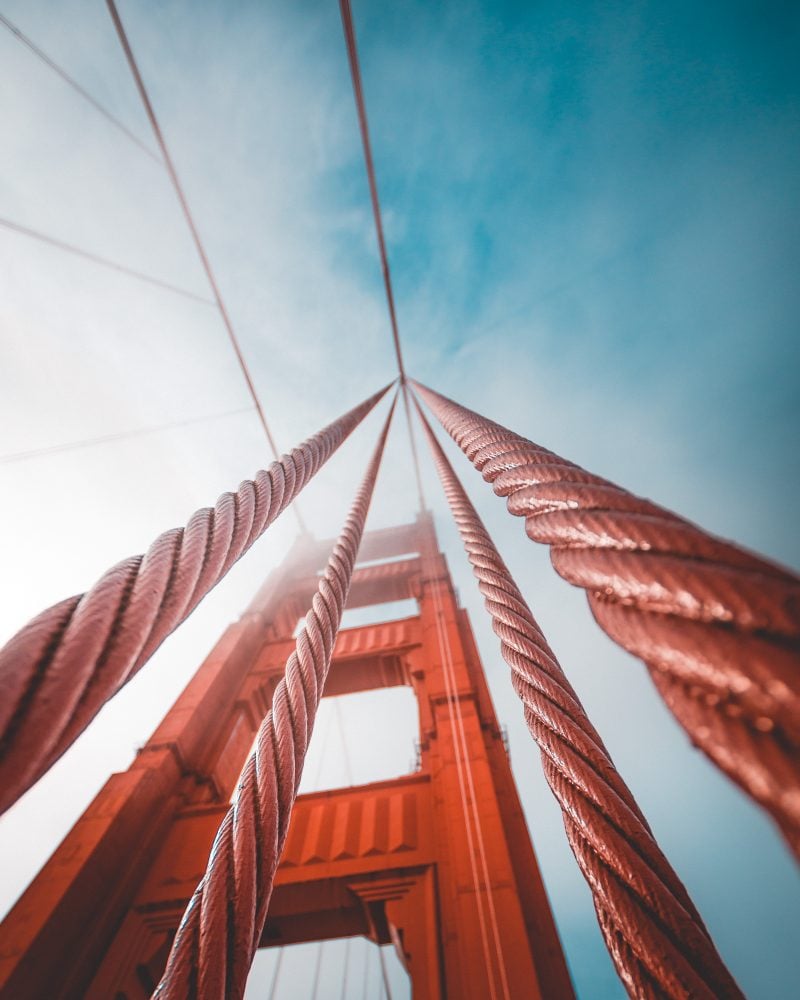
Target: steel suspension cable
[656,937]
[717,627]
[59,670]
[358,90]
[413,444]
[223,923]
[131,272]
[73,83]
[363,125]
[195,234]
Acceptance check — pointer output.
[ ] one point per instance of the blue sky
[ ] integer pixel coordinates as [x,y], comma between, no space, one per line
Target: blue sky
[608,188]
[592,218]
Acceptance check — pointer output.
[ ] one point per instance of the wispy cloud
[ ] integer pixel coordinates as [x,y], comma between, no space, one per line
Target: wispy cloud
[592,224]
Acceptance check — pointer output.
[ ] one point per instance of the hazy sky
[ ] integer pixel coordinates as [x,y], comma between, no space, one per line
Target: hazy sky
[592,218]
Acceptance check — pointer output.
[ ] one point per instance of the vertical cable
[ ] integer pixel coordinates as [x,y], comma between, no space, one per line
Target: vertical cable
[413,442]
[346,968]
[363,124]
[317,970]
[322,748]
[385,974]
[276,975]
[450,695]
[221,928]
[367,953]
[655,935]
[355,73]
[337,710]
[472,798]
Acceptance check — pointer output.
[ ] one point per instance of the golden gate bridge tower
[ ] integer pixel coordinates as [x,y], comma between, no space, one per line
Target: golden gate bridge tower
[439,863]
[203,851]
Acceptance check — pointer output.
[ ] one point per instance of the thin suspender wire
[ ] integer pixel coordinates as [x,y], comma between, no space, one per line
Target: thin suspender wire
[323,747]
[346,967]
[444,653]
[365,993]
[131,272]
[170,166]
[54,449]
[355,73]
[22,37]
[274,986]
[337,711]
[385,974]
[413,442]
[315,987]
[473,799]
[363,124]
[317,776]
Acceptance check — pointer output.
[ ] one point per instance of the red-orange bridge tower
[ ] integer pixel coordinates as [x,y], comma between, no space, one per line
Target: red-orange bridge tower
[438,862]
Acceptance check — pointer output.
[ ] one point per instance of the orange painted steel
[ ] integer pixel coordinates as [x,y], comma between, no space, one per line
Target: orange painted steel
[656,937]
[389,860]
[718,627]
[59,670]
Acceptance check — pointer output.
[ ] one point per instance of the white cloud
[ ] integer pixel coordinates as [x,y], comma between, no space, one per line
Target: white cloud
[257,108]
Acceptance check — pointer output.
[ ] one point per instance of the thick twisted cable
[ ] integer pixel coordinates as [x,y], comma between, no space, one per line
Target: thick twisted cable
[59,670]
[655,935]
[718,627]
[222,925]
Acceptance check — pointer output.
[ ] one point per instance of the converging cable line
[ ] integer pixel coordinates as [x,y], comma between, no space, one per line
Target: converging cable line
[204,260]
[363,125]
[355,73]
[53,241]
[22,456]
[22,37]
[165,161]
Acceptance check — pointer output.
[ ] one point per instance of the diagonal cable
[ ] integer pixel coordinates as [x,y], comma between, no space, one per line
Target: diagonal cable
[656,937]
[718,627]
[204,260]
[59,670]
[222,925]
[73,83]
[53,241]
[23,456]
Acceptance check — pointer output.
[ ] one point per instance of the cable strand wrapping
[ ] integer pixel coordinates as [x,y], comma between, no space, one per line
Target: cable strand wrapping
[59,670]
[222,925]
[718,627]
[656,937]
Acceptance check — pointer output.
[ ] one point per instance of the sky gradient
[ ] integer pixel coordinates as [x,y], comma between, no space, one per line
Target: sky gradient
[592,220]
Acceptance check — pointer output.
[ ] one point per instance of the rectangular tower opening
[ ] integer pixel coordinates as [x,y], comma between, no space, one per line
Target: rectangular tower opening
[384,720]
